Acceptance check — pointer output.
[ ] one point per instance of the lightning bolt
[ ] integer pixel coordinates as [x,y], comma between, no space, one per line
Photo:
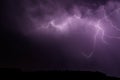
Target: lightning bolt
[99,29]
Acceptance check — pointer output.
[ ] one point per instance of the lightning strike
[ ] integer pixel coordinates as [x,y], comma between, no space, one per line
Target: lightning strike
[98,24]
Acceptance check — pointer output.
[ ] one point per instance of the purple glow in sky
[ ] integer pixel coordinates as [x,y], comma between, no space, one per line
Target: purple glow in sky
[99,24]
[62,35]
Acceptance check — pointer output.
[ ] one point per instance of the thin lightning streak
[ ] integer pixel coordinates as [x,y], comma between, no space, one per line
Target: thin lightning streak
[63,26]
[100,29]
[112,25]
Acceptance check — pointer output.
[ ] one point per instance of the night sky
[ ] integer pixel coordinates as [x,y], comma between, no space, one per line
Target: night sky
[47,35]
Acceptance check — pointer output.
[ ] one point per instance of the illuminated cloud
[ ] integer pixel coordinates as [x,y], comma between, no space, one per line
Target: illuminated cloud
[98,23]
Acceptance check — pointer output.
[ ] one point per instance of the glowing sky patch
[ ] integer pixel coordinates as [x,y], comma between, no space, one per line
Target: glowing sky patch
[98,22]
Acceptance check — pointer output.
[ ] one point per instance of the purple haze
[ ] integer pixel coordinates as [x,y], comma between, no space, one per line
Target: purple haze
[96,24]
[89,33]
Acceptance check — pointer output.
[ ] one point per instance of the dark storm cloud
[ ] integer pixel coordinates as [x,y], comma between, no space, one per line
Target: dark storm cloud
[44,52]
